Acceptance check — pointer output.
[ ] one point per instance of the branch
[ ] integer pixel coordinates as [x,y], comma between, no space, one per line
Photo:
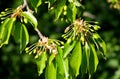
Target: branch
[40,34]
[28,9]
[26,5]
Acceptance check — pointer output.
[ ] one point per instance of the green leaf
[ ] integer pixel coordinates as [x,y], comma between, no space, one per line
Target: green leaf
[59,8]
[30,19]
[66,67]
[60,67]
[68,47]
[41,63]
[16,32]
[93,61]
[39,3]
[51,2]
[5,30]
[2,28]
[84,61]
[51,58]
[50,72]
[60,51]
[24,37]
[71,12]
[74,12]
[21,35]
[75,59]
[87,50]
[36,3]
[101,43]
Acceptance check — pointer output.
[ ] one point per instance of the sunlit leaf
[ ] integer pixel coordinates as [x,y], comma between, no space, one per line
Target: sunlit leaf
[87,51]
[68,48]
[41,63]
[75,59]
[5,30]
[36,3]
[74,11]
[30,19]
[71,12]
[51,58]
[59,8]
[66,67]
[50,72]
[2,28]
[39,3]
[60,67]
[60,51]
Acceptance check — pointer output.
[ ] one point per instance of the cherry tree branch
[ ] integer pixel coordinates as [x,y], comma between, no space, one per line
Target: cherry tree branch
[40,34]
[25,5]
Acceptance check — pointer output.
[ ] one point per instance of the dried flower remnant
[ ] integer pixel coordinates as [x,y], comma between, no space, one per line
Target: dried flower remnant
[17,12]
[10,13]
[80,29]
[43,45]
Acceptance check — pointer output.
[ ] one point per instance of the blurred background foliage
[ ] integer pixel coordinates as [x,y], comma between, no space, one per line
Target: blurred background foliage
[14,65]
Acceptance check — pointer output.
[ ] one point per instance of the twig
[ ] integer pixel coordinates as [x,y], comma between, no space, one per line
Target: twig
[40,34]
[25,4]
[27,7]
